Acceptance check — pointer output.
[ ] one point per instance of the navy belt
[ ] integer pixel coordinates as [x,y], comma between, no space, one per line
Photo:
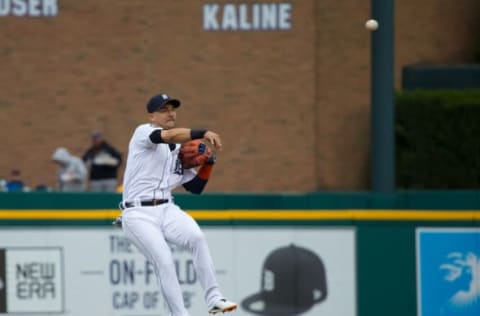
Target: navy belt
[144,203]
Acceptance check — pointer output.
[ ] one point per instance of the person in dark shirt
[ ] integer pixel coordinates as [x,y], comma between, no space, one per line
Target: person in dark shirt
[102,160]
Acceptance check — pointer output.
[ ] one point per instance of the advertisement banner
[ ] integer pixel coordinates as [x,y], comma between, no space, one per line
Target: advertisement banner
[448,271]
[97,271]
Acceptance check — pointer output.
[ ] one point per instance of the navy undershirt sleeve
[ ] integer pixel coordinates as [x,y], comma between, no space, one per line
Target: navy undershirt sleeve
[156,136]
[196,185]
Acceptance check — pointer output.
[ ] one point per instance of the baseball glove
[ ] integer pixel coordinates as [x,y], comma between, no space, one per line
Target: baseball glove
[195,153]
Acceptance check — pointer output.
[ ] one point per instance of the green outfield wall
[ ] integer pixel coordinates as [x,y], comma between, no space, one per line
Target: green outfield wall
[385,226]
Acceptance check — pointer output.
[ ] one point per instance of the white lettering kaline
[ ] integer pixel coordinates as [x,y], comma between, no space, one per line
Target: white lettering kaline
[247,17]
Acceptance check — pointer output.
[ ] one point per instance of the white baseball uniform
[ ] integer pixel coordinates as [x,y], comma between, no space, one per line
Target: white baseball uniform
[152,171]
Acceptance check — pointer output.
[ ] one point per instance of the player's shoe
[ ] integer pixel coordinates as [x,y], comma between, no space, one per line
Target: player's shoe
[223,306]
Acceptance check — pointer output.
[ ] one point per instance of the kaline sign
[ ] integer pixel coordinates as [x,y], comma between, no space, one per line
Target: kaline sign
[247,17]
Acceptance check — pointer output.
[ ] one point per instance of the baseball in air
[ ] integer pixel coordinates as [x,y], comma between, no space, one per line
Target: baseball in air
[371,25]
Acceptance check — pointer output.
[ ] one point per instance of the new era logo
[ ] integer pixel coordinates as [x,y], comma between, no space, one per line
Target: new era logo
[34,282]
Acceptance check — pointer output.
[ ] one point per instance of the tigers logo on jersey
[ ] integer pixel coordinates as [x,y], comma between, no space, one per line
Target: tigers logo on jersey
[178,166]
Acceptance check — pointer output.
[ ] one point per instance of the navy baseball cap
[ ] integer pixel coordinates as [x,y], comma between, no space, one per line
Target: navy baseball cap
[159,101]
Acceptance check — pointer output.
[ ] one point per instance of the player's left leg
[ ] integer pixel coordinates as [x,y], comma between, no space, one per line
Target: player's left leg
[181,229]
[141,228]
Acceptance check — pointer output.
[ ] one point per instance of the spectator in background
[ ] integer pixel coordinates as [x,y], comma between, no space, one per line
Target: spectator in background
[102,160]
[15,183]
[71,173]
[42,188]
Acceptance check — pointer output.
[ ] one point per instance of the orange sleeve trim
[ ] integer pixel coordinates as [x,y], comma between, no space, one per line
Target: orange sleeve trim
[205,172]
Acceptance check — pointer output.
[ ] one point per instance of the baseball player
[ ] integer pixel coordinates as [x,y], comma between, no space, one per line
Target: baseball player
[150,218]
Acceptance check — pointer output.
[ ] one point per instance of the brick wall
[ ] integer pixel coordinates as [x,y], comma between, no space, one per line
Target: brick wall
[292,105]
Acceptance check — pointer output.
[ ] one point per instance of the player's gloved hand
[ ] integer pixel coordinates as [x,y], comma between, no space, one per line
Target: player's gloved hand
[211,160]
[194,153]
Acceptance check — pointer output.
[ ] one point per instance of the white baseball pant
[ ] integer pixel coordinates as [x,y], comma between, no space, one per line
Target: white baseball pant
[150,228]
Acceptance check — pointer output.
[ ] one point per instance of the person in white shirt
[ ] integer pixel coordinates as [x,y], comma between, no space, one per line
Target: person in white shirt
[72,174]
[150,219]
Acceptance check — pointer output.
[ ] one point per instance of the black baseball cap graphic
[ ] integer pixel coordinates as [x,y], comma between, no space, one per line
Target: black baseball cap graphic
[293,280]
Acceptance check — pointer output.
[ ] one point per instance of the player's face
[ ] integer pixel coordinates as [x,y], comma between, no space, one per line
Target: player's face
[164,117]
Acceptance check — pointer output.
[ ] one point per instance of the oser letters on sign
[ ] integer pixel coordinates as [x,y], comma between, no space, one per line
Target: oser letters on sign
[28,8]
